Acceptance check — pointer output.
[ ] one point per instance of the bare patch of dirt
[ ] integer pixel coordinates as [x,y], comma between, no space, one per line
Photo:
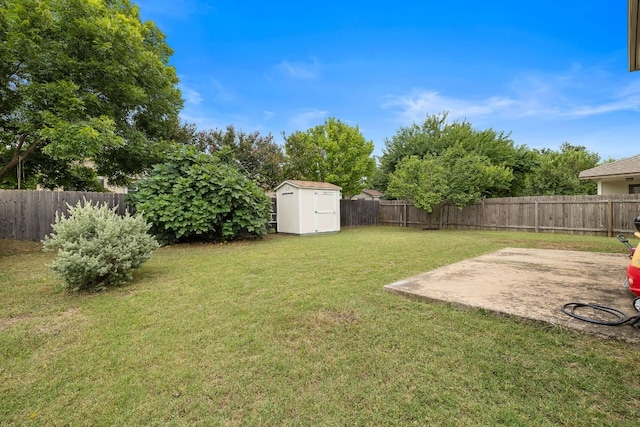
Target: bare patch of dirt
[344,317]
[9,247]
[59,323]
[52,325]
[8,322]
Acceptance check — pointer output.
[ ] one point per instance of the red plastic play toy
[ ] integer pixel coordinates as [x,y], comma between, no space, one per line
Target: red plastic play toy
[633,271]
[632,282]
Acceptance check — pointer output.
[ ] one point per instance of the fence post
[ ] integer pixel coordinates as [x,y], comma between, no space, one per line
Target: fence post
[536,213]
[405,213]
[482,215]
[609,218]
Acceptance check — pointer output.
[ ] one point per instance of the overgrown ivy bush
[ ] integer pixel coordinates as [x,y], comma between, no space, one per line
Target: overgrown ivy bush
[201,197]
[96,247]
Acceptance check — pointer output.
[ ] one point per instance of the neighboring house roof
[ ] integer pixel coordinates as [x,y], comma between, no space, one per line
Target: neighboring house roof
[310,184]
[373,193]
[621,168]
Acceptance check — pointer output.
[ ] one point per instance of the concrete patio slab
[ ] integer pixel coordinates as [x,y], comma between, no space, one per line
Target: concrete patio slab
[533,284]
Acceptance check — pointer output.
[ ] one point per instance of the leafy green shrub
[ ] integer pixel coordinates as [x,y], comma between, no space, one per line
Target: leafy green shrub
[201,197]
[96,247]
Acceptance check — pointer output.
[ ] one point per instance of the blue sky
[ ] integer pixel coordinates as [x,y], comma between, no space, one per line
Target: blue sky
[548,72]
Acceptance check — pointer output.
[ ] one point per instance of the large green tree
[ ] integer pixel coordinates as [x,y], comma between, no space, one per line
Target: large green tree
[259,157]
[85,88]
[556,172]
[435,136]
[333,152]
[457,176]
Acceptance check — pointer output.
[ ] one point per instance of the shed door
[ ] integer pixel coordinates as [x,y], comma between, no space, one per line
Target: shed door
[324,203]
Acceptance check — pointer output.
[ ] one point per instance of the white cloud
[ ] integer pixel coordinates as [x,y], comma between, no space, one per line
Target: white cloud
[221,93]
[575,94]
[299,70]
[202,121]
[191,96]
[214,91]
[306,119]
[415,106]
[268,115]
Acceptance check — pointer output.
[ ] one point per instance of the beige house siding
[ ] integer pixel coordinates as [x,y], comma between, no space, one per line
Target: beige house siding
[368,195]
[621,177]
[614,187]
[113,189]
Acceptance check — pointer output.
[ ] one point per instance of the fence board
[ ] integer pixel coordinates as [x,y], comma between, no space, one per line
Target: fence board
[395,212]
[28,215]
[359,212]
[599,215]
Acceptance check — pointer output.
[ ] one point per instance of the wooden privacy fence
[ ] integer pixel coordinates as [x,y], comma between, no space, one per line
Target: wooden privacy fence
[597,215]
[354,213]
[28,214]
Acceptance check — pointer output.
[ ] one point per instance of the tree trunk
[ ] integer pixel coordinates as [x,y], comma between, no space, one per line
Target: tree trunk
[8,167]
[18,155]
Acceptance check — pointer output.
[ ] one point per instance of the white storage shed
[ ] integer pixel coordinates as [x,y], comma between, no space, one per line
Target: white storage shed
[307,207]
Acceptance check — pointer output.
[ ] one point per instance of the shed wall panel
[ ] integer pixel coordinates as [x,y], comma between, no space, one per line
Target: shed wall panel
[288,211]
[306,207]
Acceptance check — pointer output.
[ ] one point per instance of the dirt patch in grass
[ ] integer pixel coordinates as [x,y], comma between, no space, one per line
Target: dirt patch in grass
[44,325]
[333,317]
[58,323]
[9,247]
[8,322]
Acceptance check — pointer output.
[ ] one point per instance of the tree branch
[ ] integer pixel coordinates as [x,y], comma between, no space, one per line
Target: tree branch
[18,155]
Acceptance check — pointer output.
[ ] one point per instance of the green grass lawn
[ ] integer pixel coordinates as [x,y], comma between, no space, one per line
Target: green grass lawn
[298,331]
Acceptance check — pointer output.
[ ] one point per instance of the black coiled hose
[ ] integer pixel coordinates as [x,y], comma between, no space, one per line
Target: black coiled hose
[621,318]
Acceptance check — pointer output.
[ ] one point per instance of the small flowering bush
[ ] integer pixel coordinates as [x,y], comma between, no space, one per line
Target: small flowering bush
[96,247]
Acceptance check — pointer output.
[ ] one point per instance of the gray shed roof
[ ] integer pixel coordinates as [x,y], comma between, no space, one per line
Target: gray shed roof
[624,167]
[310,184]
[373,193]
